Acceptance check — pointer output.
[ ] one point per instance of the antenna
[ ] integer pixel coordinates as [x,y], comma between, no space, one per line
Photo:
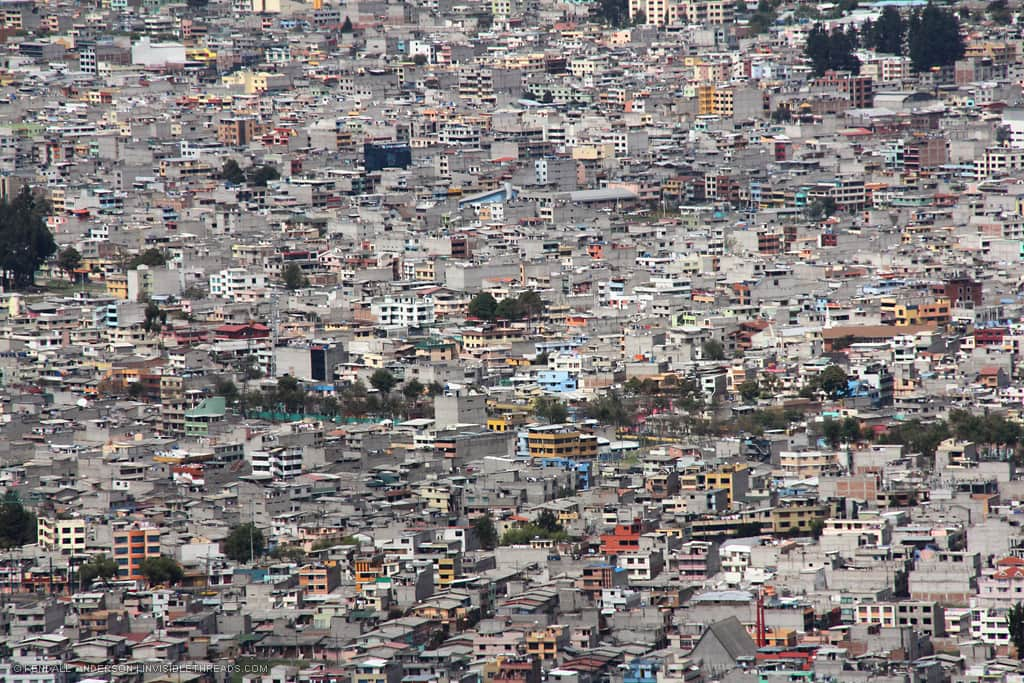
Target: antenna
[275,320]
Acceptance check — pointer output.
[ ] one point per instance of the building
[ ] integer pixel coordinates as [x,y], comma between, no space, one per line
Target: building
[66,536]
[132,544]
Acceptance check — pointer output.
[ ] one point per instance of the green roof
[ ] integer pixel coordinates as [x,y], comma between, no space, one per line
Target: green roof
[210,407]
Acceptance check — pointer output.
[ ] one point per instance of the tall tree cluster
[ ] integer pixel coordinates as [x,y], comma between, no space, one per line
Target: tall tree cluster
[25,241]
[930,36]
[832,51]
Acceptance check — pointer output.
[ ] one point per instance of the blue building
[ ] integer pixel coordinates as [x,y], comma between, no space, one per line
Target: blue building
[556,381]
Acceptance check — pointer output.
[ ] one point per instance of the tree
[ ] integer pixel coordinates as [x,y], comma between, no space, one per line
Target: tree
[69,260]
[548,521]
[226,387]
[763,18]
[419,59]
[820,208]
[508,309]
[483,306]
[712,349]
[245,543]
[850,430]
[782,114]
[934,38]
[100,567]
[232,173]
[550,409]
[289,394]
[25,241]
[293,277]
[17,525]
[383,381]
[832,432]
[346,26]
[435,389]
[999,12]
[613,12]
[486,533]
[530,304]
[259,176]
[155,318]
[161,570]
[749,390]
[831,51]
[151,258]
[609,409]
[833,381]
[888,33]
[413,389]
[1015,625]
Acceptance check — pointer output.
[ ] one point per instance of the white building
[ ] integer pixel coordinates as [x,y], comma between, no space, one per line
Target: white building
[236,284]
[280,463]
[407,311]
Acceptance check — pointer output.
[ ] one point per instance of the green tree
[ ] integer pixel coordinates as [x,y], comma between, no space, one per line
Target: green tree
[69,260]
[508,309]
[550,409]
[289,553]
[821,208]
[259,176]
[383,381]
[346,26]
[999,12]
[153,258]
[245,543]
[225,387]
[1015,625]
[851,431]
[831,51]
[548,521]
[934,38]
[486,532]
[289,394]
[832,432]
[483,306]
[613,12]
[232,173]
[161,570]
[413,389]
[435,389]
[419,59]
[764,17]
[530,304]
[100,567]
[833,381]
[17,525]
[712,349]
[609,409]
[782,115]
[25,241]
[155,318]
[917,437]
[293,277]
[749,390]
[889,33]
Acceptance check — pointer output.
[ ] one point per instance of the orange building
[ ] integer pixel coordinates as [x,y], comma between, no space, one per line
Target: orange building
[625,538]
[132,544]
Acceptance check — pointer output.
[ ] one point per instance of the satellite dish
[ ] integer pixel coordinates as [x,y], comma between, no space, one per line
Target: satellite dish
[82,403]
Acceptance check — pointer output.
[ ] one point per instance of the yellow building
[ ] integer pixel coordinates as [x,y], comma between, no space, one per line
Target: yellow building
[64,535]
[734,478]
[559,441]
[117,286]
